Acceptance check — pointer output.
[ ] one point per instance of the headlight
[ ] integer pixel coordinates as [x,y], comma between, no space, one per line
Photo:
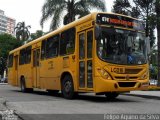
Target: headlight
[144,75]
[104,74]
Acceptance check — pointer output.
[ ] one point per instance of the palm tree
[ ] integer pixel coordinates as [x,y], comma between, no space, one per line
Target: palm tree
[69,10]
[22,32]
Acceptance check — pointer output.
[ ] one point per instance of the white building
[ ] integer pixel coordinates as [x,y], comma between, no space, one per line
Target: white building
[7,24]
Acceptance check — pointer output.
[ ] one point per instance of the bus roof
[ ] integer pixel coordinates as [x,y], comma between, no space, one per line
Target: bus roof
[91,16]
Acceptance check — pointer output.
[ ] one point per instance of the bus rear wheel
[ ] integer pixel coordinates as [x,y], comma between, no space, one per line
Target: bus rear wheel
[111,95]
[23,86]
[68,87]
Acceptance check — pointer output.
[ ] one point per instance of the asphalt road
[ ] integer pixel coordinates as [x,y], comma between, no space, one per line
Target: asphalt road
[39,105]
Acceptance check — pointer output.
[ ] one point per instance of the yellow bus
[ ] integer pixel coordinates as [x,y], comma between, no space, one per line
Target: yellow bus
[103,53]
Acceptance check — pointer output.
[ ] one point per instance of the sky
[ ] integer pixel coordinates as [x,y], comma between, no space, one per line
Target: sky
[29,11]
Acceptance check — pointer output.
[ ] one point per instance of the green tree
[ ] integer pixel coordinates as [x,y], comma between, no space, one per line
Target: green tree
[145,8]
[125,7]
[157,9]
[142,9]
[22,32]
[70,8]
[36,35]
[7,43]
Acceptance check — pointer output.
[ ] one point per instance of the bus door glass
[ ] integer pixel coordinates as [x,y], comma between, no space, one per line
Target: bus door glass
[36,64]
[85,59]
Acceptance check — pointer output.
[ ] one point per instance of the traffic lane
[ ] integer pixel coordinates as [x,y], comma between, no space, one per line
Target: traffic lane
[89,105]
[40,105]
[13,94]
[85,107]
[40,102]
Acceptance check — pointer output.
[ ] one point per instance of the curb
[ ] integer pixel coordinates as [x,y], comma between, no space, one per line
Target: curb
[144,96]
[8,113]
[2,104]
[3,83]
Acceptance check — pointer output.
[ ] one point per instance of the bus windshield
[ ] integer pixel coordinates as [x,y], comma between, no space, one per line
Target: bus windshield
[122,46]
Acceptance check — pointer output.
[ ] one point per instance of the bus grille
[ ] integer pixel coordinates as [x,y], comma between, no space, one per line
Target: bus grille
[124,78]
[132,71]
[126,84]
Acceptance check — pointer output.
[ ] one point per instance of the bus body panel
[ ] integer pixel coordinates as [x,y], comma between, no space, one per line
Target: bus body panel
[48,72]
[26,72]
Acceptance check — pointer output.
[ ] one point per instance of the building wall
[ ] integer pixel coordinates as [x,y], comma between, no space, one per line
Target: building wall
[7,24]
[10,26]
[3,22]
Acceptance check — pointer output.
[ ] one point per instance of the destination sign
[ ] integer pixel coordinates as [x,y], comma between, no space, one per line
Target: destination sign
[120,21]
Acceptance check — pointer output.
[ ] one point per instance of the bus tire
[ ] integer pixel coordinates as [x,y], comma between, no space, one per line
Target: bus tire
[68,87]
[111,95]
[23,85]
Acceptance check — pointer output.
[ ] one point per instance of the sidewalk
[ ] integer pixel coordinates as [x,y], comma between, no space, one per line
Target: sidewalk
[2,106]
[3,83]
[5,113]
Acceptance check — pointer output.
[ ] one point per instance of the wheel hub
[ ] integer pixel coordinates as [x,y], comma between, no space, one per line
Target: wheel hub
[67,86]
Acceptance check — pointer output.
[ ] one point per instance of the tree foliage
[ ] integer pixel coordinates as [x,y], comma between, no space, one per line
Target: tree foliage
[68,10]
[122,7]
[7,43]
[157,10]
[36,35]
[22,32]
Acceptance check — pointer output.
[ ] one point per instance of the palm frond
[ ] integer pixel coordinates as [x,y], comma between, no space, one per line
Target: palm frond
[56,19]
[22,31]
[94,4]
[54,9]
[49,8]
[81,12]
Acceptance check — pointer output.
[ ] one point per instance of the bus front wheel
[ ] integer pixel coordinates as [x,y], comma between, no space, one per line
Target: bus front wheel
[111,95]
[67,87]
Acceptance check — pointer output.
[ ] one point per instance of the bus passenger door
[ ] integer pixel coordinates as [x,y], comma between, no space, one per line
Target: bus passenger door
[36,65]
[85,60]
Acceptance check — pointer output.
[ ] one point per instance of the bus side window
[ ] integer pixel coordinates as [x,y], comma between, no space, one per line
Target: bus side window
[22,58]
[43,50]
[28,55]
[52,46]
[10,61]
[67,42]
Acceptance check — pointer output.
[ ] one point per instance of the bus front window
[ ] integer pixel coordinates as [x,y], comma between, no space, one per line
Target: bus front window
[122,47]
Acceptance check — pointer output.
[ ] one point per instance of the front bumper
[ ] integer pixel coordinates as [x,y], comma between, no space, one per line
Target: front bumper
[103,85]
